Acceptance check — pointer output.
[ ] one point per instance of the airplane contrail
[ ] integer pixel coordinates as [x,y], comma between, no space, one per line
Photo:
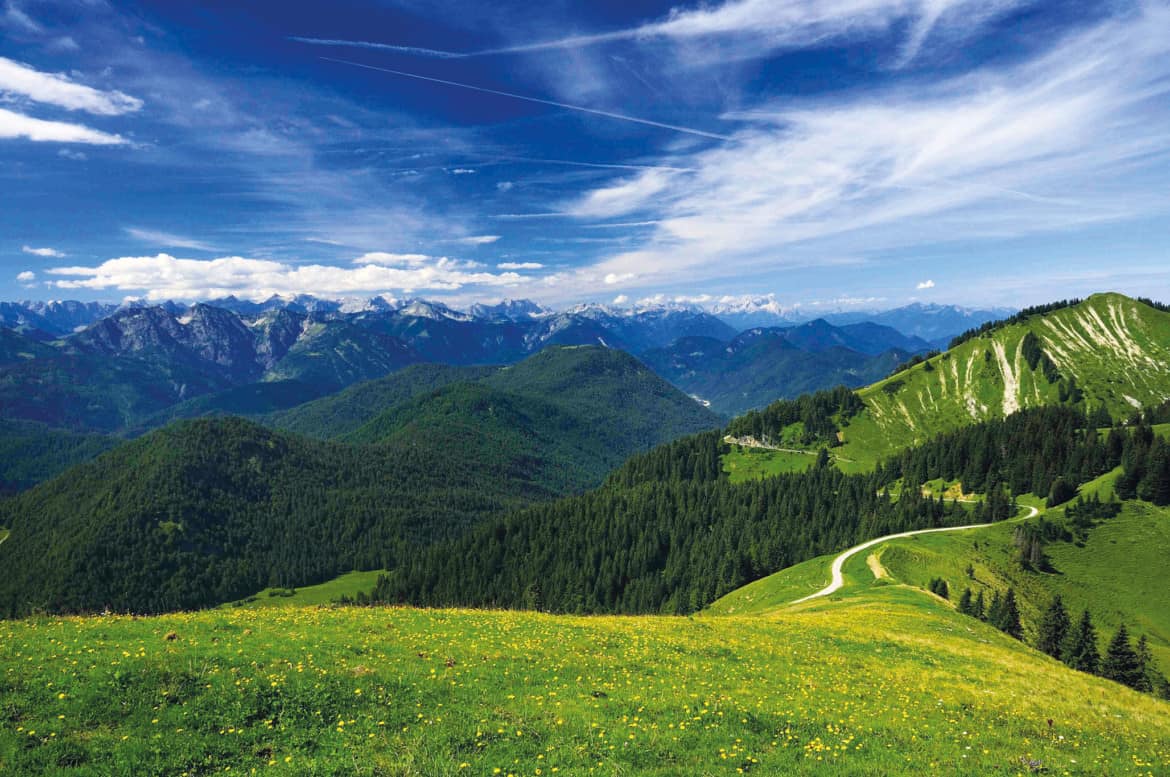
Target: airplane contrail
[365,44]
[539,100]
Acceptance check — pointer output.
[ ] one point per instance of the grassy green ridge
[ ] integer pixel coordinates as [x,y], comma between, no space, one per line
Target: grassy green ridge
[1117,350]
[889,682]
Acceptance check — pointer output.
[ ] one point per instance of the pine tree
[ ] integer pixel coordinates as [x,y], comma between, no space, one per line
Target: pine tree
[994,609]
[1080,646]
[1145,665]
[1009,616]
[1054,628]
[979,611]
[966,605]
[1121,663]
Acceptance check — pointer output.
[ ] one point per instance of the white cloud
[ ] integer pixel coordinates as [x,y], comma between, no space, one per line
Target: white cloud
[925,285]
[16,125]
[747,28]
[16,18]
[168,240]
[27,276]
[505,186]
[463,171]
[393,260]
[621,299]
[1074,137]
[51,253]
[614,278]
[478,240]
[76,156]
[520,265]
[166,277]
[623,197]
[21,80]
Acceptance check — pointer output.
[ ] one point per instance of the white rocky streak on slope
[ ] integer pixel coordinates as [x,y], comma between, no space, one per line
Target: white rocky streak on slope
[1011,382]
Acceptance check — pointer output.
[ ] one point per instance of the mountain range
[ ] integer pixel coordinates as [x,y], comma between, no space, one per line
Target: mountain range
[90,366]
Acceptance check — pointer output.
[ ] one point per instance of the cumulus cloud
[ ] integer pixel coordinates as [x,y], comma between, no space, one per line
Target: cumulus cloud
[621,299]
[614,278]
[51,253]
[16,125]
[164,277]
[18,79]
[27,276]
[520,265]
[925,285]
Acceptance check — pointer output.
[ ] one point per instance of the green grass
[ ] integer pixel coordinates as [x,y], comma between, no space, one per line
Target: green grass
[744,464]
[886,681]
[1119,574]
[349,584]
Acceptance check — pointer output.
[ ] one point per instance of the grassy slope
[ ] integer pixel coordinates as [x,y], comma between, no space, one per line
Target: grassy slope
[349,584]
[743,464]
[1117,349]
[889,682]
[1118,574]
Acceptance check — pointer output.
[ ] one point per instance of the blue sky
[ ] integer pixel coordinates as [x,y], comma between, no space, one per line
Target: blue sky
[840,152]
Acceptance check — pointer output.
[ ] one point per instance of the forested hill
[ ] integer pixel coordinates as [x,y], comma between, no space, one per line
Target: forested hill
[668,532]
[209,510]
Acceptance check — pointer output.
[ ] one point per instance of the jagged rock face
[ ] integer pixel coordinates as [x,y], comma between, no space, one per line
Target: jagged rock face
[207,337]
[276,332]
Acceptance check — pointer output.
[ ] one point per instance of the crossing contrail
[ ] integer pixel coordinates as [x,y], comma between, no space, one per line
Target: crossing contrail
[538,100]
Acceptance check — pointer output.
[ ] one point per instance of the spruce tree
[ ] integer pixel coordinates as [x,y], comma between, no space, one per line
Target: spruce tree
[1009,616]
[979,611]
[1054,628]
[1145,665]
[994,610]
[1080,646]
[966,605]
[1121,663]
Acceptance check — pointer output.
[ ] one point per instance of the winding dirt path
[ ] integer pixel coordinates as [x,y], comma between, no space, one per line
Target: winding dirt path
[839,562]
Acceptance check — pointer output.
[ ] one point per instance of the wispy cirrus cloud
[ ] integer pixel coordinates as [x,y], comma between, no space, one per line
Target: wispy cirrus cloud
[168,240]
[1076,136]
[758,27]
[163,276]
